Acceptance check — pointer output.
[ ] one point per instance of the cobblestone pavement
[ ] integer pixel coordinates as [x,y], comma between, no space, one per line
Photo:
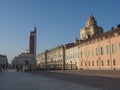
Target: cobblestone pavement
[104,80]
[12,80]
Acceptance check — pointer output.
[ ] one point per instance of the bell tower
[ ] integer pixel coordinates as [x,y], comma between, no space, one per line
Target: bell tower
[91,28]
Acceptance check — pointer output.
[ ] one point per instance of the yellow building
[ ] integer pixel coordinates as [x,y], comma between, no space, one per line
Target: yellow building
[41,60]
[56,58]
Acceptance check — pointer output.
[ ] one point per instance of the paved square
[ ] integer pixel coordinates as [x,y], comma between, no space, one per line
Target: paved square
[27,81]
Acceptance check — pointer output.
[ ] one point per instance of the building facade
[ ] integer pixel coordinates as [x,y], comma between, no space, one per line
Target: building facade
[53,59]
[96,50]
[32,43]
[23,59]
[71,56]
[3,61]
[56,58]
[29,55]
[100,51]
[41,60]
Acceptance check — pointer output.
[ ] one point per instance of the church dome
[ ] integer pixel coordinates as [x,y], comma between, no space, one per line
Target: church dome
[90,29]
[91,21]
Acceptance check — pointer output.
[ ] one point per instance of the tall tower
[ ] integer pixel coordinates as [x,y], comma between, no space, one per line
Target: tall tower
[32,42]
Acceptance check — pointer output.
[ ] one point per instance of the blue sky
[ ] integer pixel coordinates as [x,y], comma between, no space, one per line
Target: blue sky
[58,21]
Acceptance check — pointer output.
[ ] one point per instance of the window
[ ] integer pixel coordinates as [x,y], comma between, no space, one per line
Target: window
[85,54]
[92,63]
[81,63]
[92,52]
[114,62]
[101,50]
[97,62]
[73,56]
[102,63]
[89,63]
[107,49]
[119,46]
[88,53]
[81,54]
[96,51]
[108,62]
[78,55]
[113,48]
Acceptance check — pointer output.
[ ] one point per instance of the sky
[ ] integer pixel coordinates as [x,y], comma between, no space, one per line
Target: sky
[58,22]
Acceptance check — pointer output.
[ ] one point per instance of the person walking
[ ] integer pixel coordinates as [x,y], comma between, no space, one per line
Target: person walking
[17,68]
[0,67]
[3,67]
[21,68]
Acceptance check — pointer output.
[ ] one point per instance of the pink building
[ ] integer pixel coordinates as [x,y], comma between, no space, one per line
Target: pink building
[101,51]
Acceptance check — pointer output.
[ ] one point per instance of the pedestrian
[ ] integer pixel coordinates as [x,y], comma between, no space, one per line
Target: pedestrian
[17,68]
[7,67]
[3,67]
[0,67]
[21,68]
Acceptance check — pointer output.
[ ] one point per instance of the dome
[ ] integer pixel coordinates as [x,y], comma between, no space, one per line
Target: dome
[91,21]
[90,29]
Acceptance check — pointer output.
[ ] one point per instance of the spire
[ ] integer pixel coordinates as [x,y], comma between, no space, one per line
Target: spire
[35,28]
[91,15]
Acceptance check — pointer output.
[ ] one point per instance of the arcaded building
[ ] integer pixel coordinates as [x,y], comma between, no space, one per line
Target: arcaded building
[98,50]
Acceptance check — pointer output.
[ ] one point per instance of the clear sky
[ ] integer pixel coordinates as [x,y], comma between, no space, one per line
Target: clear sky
[58,21]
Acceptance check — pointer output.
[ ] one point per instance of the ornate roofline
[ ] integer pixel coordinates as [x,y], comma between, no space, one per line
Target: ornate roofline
[105,35]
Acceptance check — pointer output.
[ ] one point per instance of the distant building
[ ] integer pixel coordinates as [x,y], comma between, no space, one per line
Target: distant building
[3,60]
[41,60]
[32,42]
[61,57]
[29,55]
[56,58]
[71,56]
[23,59]
[53,58]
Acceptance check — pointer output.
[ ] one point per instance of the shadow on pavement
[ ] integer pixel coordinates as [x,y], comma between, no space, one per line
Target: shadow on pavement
[104,83]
